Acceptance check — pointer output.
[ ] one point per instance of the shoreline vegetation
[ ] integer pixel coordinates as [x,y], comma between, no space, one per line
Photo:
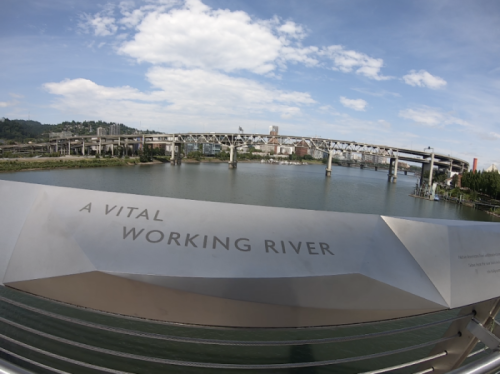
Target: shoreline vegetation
[78,162]
[31,164]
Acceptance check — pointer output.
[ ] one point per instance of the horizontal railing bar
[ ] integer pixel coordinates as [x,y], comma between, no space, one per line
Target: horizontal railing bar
[43,366]
[216,365]
[53,355]
[406,364]
[484,365]
[430,370]
[219,328]
[472,354]
[230,342]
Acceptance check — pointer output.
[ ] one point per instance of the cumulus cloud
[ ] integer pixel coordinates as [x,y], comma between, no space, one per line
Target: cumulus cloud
[355,104]
[182,91]
[431,117]
[424,79]
[189,34]
[348,60]
[195,36]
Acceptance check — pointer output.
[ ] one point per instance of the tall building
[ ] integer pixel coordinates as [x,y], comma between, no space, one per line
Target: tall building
[114,129]
[101,131]
[211,149]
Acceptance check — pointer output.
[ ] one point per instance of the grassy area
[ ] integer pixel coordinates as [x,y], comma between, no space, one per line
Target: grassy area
[9,166]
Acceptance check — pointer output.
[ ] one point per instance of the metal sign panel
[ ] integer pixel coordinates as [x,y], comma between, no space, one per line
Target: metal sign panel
[238,265]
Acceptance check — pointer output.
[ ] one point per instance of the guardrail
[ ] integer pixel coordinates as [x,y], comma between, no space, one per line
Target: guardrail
[39,334]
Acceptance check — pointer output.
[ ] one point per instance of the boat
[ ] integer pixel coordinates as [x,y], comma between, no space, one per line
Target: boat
[115,282]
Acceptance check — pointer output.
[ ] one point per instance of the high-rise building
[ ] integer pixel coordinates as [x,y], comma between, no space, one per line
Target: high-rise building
[114,129]
[101,131]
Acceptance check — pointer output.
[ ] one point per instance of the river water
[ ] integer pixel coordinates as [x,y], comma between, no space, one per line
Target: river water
[291,186]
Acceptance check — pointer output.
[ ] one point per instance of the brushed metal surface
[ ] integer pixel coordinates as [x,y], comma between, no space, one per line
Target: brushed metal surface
[238,265]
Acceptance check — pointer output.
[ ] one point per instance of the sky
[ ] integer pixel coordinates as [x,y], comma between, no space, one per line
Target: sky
[408,74]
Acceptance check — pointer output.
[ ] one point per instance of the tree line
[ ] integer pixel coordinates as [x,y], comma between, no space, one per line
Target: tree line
[23,131]
[486,182]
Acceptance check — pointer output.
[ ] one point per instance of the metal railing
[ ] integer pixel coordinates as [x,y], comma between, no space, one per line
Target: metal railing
[18,343]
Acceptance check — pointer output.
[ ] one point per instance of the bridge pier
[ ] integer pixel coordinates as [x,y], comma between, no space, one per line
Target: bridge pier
[233,162]
[328,171]
[406,172]
[175,158]
[393,170]
[83,148]
[376,168]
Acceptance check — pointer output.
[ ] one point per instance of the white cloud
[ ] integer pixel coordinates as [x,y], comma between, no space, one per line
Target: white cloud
[17,96]
[189,34]
[100,24]
[382,93]
[5,104]
[424,79]
[348,60]
[190,92]
[195,36]
[355,104]
[431,117]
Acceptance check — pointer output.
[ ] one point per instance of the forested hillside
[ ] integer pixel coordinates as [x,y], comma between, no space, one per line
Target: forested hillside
[23,131]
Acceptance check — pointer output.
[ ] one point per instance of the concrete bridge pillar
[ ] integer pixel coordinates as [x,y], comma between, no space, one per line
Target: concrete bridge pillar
[395,175]
[112,149]
[100,145]
[175,157]
[431,169]
[328,171]
[57,148]
[389,175]
[83,147]
[69,147]
[233,162]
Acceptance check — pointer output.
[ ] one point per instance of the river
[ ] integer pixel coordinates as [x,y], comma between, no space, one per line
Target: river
[291,186]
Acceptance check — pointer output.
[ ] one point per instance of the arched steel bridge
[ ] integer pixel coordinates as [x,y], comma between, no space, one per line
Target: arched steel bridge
[328,146]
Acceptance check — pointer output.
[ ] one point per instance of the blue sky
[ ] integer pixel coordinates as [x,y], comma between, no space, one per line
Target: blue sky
[409,74]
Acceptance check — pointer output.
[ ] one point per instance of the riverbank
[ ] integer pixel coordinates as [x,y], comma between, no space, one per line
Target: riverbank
[49,163]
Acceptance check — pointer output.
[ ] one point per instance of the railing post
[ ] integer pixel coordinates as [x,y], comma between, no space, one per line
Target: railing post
[458,349]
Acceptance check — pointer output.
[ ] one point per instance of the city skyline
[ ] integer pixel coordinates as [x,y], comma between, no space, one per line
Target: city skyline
[412,74]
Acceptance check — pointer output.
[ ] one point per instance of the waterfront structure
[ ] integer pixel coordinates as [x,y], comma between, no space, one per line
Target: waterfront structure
[302,144]
[211,149]
[127,255]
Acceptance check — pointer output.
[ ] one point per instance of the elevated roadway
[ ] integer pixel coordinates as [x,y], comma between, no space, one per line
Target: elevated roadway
[331,147]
